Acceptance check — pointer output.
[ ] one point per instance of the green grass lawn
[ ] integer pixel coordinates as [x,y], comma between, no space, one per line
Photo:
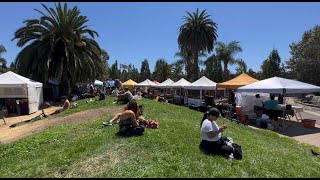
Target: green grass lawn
[87,149]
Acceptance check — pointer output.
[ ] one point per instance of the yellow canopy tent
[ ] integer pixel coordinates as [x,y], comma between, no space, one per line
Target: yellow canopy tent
[239,81]
[129,84]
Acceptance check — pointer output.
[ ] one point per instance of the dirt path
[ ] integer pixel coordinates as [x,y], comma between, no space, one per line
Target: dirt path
[8,135]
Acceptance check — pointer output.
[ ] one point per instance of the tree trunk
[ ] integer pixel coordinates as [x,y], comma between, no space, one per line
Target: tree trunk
[65,83]
[196,65]
[188,69]
[225,71]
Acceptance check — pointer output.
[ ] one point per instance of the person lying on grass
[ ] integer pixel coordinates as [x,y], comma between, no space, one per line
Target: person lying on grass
[128,124]
[212,141]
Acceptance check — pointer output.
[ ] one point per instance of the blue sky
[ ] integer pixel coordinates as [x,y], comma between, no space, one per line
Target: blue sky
[132,32]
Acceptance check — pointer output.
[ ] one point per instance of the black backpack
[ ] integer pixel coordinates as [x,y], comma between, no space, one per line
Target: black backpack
[237,151]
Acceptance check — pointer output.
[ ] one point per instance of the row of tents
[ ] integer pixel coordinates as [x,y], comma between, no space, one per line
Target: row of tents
[202,83]
[242,83]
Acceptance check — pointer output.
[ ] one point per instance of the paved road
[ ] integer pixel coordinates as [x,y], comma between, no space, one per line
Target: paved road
[298,132]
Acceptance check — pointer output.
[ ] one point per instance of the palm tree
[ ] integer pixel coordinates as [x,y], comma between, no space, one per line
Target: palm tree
[186,61]
[58,45]
[197,34]
[162,70]
[226,53]
[3,61]
[242,66]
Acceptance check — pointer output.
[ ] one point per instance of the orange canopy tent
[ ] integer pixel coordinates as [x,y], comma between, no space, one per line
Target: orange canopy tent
[239,81]
[129,84]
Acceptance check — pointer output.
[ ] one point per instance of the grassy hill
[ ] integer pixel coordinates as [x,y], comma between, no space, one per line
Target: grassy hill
[87,149]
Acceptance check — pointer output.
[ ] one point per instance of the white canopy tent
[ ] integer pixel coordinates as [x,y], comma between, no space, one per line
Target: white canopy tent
[13,85]
[179,84]
[275,85]
[279,85]
[201,84]
[164,84]
[146,83]
[98,83]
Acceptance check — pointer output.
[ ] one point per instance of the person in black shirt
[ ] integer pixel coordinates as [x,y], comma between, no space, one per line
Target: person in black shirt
[231,97]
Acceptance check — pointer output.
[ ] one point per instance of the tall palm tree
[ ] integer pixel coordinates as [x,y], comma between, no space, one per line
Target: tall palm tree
[162,70]
[197,34]
[58,45]
[226,53]
[242,66]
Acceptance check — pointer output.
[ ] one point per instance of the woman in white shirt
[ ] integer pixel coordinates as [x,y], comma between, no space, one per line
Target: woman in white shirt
[211,134]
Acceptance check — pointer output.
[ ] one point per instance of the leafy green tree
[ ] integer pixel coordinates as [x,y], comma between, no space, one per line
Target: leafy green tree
[58,45]
[177,71]
[304,62]
[226,53]
[252,73]
[114,71]
[272,66]
[106,70]
[213,68]
[197,35]
[162,70]
[134,74]
[145,72]
[186,61]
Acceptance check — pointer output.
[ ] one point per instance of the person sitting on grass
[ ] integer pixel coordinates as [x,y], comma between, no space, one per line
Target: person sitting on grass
[101,95]
[212,141]
[66,105]
[128,124]
[125,97]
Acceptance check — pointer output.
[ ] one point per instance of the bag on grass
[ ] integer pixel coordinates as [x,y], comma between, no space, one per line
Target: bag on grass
[152,124]
[237,151]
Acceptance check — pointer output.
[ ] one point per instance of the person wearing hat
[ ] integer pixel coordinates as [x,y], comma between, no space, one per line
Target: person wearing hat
[212,141]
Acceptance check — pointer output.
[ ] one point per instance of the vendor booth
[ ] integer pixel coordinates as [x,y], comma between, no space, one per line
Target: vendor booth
[277,85]
[20,94]
[199,85]
[129,84]
[239,81]
[183,94]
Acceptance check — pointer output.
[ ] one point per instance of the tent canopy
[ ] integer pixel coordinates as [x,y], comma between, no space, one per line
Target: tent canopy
[98,83]
[11,79]
[111,83]
[179,84]
[146,83]
[164,84]
[279,85]
[129,84]
[156,82]
[202,84]
[239,81]
[13,85]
